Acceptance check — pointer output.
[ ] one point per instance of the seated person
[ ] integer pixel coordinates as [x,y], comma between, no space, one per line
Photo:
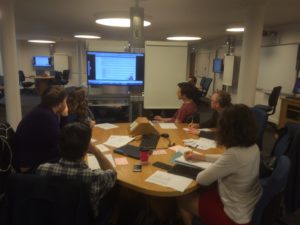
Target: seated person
[37,135]
[192,80]
[78,107]
[232,200]
[74,144]
[218,101]
[188,94]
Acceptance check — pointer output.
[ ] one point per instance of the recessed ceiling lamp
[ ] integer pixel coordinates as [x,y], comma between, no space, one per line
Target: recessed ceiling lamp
[42,41]
[86,36]
[118,22]
[235,29]
[183,38]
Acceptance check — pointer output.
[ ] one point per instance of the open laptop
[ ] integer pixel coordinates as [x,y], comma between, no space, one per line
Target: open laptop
[129,150]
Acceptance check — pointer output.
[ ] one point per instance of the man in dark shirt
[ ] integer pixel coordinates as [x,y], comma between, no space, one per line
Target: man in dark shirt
[37,135]
[218,101]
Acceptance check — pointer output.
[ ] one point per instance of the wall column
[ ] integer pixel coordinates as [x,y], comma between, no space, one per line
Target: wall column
[250,54]
[9,62]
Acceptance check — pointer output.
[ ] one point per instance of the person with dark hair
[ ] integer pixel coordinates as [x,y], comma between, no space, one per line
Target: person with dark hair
[232,200]
[36,139]
[218,102]
[74,145]
[78,107]
[192,80]
[188,94]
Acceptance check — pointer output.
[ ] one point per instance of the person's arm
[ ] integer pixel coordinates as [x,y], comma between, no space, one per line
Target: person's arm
[225,165]
[189,155]
[102,160]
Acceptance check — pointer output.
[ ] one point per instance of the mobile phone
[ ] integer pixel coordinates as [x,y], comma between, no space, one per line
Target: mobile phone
[137,168]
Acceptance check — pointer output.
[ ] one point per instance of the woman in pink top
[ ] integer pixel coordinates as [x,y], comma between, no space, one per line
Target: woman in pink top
[188,94]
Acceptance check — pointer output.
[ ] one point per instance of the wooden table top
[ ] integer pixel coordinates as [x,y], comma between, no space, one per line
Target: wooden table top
[45,77]
[136,180]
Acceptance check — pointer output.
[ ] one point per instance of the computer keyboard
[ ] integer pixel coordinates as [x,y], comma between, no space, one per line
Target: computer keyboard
[149,141]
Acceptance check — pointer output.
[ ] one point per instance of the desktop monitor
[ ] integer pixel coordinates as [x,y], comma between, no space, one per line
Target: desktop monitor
[42,61]
[296,89]
[115,68]
[218,66]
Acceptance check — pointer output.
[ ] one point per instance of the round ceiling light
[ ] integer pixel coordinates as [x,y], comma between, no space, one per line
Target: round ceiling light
[42,41]
[183,38]
[118,22]
[86,36]
[235,29]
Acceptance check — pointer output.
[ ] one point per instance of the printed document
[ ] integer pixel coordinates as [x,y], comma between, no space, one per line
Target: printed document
[92,162]
[106,126]
[201,143]
[199,164]
[167,126]
[118,141]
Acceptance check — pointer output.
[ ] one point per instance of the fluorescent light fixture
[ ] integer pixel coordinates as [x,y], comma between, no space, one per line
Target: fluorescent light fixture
[42,41]
[86,36]
[183,38]
[118,22]
[235,29]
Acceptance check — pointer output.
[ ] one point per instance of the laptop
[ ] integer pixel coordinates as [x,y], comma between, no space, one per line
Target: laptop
[129,150]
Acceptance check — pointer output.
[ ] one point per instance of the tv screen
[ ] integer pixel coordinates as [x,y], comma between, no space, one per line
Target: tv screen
[115,68]
[42,61]
[296,89]
[218,65]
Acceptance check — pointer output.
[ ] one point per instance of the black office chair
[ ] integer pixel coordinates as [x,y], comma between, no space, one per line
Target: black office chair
[59,80]
[25,84]
[272,102]
[205,86]
[65,76]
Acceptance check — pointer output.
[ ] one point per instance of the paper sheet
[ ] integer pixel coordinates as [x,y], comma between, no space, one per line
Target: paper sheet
[121,161]
[159,152]
[102,148]
[202,129]
[201,143]
[180,148]
[165,179]
[118,141]
[167,126]
[92,162]
[93,140]
[106,126]
[110,159]
[200,164]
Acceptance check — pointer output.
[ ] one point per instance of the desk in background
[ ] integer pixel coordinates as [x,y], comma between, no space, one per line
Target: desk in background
[42,82]
[289,112]
[136,181]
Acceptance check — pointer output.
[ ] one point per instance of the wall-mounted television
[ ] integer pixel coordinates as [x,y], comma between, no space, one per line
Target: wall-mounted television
[42,61]
[115,68]
[218,65]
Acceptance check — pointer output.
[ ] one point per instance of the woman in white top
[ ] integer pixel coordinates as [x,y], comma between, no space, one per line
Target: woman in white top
[232,199]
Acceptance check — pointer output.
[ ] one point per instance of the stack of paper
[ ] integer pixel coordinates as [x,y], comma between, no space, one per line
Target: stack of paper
[165,179]
[92,162]
[180,148]
[106,126]
[201,143]
[167,126]
[118,140]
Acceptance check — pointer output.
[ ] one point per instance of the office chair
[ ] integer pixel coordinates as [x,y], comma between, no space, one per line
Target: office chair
[22,80]
[65,77]
[261,119]
[34,199]
[205,87]
[272,102]
[267,207]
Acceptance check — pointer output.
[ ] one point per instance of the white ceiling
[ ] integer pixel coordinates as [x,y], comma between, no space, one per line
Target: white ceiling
[61,19]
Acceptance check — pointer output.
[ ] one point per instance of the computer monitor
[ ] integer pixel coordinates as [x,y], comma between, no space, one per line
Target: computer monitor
[115,68]
[218,66]
[42,61]
[296,89]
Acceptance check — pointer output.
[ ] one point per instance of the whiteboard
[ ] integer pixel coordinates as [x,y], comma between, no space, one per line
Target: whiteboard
[277,67]
[165,67]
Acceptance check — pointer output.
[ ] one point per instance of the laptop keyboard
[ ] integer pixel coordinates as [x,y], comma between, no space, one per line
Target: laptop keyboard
[149,141]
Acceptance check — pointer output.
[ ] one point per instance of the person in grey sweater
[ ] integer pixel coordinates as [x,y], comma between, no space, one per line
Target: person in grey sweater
[237,190]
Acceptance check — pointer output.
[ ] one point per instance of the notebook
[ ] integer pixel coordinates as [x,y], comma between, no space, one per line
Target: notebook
[129,150]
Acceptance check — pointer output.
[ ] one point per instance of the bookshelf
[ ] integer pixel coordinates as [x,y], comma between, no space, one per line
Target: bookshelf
[290,111]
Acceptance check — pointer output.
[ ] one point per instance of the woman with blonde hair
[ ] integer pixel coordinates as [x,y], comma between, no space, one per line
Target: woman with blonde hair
[78,107]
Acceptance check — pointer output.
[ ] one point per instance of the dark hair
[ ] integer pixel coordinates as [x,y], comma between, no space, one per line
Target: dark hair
[236,127]
[193,80]
[53,95]
[190,91]
[74,140]
[223,98]
[77,102]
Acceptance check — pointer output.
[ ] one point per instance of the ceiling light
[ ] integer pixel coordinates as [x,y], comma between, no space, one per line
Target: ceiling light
[235,29]
[42,41]
[85,36]
[183,38]
[118,22]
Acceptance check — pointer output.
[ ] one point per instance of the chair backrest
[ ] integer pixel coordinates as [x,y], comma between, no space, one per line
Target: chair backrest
[206,86]
[21,76]
[273,99]
[65,74]
[272,186]
[261,118]
[34,199]
[58,77]
[202,81]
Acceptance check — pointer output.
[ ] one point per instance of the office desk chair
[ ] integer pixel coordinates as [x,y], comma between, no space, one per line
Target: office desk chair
[205,86]
[25,84]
